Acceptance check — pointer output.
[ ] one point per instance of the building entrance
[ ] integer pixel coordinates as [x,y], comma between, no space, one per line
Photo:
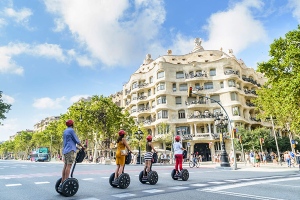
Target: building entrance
[203,150]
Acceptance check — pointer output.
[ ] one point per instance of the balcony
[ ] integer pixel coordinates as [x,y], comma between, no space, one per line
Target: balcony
[201,115]
[230,71]
[196,75]
[142,85]
[127,92]
[142,109]
[251,80]
[254,119]
[250,104]
[250,91]
[195,102]
[142,97]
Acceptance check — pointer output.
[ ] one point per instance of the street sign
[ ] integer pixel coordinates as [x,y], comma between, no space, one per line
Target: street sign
[293,141]
[188,144]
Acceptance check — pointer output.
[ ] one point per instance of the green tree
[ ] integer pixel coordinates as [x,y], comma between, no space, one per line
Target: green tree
[280,95]
[164,134]
[4,108]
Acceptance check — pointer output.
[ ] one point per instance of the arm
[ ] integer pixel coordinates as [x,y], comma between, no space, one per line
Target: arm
[76,140]
[125,143]
[153,147]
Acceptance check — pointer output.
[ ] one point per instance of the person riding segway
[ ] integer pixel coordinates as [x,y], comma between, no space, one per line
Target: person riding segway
[67,185]
[179,172]
[119,178]
[147,175]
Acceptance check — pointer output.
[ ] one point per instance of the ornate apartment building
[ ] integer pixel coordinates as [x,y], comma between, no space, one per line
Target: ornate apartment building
[42,125]
[157,93]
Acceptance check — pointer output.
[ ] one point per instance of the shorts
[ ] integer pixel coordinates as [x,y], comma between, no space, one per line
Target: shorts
[148,156]
[69,158]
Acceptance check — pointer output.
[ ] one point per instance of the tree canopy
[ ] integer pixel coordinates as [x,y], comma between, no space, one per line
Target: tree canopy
[280,96]
[4,108]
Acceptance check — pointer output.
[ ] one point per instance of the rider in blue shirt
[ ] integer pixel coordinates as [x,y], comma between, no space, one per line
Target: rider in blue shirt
[70,141]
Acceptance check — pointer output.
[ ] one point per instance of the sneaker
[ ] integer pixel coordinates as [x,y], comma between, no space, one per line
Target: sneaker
[116,181]
[59,188]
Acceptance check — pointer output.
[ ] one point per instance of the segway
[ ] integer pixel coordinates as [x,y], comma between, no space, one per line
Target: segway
[124,178]
[183,175]
[70,186]
[151,176]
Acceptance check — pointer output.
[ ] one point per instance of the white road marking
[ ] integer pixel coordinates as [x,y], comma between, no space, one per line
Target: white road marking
[12,185]
[87,179]
[90,199]
[286,185]
[152,191]
[199,185]
[240,195]
[39,183]
[216,182]
[231,180]
[225,187]
[177,188]
[246,179]
[123,195]
[105,177]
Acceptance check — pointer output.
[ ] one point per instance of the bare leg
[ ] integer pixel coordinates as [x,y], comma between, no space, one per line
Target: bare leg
[63,173]
[66,173]
[120,170]
[116,172]
[148,164]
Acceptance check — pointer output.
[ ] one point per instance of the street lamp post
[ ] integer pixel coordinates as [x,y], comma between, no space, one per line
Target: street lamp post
[229,123]
[139,135]
[222,124]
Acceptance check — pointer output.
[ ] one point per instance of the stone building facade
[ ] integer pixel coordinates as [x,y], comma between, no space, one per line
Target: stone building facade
[42,125]
[157,93]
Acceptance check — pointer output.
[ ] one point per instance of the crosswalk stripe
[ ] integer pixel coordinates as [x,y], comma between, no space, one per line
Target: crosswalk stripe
[199,185]
[178,188]
[87,179]
[38,183]
[123,195]
[12,185]
[152,191]
[216,182]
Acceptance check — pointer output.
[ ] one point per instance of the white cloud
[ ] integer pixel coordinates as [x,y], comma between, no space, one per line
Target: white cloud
[295,5]
[9,128]
[8,99]
[60,25]
[106,28]
[48,103]
[76,98]
[8,65]
[235,28]
[20,16]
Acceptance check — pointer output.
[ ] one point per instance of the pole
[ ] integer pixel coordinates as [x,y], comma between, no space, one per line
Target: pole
[278,153]
[243,154]
[140,151]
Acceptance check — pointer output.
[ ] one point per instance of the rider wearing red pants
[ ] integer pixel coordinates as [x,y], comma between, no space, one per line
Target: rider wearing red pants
[178,149]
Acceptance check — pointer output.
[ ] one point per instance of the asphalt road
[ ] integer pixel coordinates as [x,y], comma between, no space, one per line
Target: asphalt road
[26,180]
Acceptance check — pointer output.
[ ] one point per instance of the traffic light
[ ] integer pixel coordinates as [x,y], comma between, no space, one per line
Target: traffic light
[190,91]
[234,131]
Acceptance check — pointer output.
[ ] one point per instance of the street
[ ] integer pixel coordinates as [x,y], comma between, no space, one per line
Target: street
[34,181]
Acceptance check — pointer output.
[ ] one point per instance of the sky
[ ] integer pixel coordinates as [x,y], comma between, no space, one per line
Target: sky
[53,52]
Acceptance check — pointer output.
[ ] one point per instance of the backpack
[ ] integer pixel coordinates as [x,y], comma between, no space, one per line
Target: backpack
[251,154]
[154,158]
[80,156]
[128,158]
[184,154]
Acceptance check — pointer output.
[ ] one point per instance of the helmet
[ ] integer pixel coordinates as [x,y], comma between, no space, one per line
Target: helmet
[149,138]
[177,138]
[122,132]
[69,122]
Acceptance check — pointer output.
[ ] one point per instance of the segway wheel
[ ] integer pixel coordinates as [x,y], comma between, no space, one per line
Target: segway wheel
[111,179]
[185,174]
[173,174]
[57,185]
[152,177]
[69,187]
[141,177]
[124,180]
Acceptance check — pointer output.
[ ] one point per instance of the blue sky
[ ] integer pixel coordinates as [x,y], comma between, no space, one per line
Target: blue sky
[52,52]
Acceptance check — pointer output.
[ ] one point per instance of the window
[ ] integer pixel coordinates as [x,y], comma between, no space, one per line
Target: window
[151,79]
[183,87]
[163,114]
[212,72]
[181,114]
[178,100]
[218,110]
[182,130]
[235,111]
[231,83]
[160,75]
[134,85]
[217,146]
[234,96]
[161,100]
[215,97]
[153,104]
[160,86]
[133,109]
[222,84]
[149,92]
[174,87]
[208,86]
[179,75]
